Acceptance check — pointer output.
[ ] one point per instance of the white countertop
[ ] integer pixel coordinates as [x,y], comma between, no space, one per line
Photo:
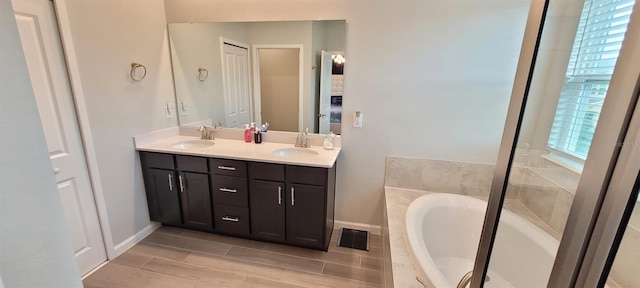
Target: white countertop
[240,150]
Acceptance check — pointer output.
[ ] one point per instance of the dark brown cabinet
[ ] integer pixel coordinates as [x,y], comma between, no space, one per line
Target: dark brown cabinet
[196,200]
[162,195]
[292,204]
[177,188]
[278,203]
[267,210]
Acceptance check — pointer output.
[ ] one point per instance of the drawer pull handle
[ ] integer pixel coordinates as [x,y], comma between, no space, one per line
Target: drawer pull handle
[180,178]
[228,190]
[227,168]
[279,195]
[293,196]
[170,182]
[231,219]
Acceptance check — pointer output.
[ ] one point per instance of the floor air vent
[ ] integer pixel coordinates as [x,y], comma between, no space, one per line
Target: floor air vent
[356,239]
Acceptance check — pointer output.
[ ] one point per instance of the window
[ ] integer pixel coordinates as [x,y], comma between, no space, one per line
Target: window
[593,57]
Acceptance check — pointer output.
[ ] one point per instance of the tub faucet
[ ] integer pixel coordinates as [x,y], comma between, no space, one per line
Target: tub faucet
[205,134]
[466,279]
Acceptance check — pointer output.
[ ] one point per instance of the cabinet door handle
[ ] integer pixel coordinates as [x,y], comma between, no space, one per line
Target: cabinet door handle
[228,190]
[279,195]
[293,196]
[170,182]
[231,219]
[227,168]
[180,178]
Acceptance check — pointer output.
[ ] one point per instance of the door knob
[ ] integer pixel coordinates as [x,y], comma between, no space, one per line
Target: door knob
[321,115]
[56,170]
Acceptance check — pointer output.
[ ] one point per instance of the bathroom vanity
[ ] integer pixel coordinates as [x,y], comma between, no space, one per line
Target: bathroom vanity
[242,189]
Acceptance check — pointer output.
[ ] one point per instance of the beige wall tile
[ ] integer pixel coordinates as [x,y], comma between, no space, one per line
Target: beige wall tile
[476,179]
[626,266]
[234,265]
[540,201]
[182,270]
[561,211]
[441,176]
[403,172]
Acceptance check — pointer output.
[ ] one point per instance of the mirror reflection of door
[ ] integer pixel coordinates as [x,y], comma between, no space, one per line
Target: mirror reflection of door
[279,76]
[236,85]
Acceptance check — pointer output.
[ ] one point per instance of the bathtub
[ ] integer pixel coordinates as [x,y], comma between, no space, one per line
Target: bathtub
[443,232]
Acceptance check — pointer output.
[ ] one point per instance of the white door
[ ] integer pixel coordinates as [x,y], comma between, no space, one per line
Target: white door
[324,112]
[235,75]
[45,60]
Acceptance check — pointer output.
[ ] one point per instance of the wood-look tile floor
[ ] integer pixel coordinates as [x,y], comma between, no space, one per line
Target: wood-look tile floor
[173,257]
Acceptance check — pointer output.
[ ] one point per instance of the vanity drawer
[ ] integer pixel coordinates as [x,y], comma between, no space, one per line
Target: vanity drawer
[307,175]
[231,220]
[157,160]
[266,171]
[229,190]
[191,163]
[228,167]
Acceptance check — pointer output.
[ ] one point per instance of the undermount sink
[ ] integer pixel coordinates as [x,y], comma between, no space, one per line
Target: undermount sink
[190,144]
[295,152]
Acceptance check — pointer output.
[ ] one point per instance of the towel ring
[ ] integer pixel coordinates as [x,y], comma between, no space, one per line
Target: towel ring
[203,74]
[134,69]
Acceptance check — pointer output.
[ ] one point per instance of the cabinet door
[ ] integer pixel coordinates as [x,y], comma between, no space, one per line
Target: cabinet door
[267,210]
[196,202]
[164,202]
[306,215]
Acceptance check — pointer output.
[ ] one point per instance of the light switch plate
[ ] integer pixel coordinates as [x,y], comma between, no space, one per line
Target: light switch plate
[357,119]
[170,109]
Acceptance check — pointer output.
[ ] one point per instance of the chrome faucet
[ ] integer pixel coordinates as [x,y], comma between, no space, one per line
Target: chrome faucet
[466,279]
[205,134]
[302,141]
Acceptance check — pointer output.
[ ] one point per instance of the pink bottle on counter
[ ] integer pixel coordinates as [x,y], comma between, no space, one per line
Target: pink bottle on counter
[247,134]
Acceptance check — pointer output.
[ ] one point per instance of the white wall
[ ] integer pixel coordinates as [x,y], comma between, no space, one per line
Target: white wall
[108,36]
[432,79]
[196,45]
[35,245]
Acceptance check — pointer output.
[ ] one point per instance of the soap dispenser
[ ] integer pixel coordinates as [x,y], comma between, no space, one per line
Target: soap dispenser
[329,141]
[247,133]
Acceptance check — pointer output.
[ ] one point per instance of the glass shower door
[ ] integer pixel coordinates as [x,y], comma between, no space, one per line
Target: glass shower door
[555,160]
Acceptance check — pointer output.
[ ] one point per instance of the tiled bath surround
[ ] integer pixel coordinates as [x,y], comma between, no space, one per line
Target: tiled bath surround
[544,188]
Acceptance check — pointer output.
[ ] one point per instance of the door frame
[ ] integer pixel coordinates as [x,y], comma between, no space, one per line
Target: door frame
[582,240]
[73,71]
[256,79]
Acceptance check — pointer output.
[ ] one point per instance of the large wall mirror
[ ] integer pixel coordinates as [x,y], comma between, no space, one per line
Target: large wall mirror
[288,73]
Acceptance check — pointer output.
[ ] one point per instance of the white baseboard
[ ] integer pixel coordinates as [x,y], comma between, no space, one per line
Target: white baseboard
[133,240]
[373,229]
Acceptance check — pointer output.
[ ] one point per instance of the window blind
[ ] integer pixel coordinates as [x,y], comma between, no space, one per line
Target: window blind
[596,47]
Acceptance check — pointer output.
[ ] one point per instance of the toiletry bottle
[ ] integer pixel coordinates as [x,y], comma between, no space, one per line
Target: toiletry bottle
[247,133]
[329,140]
[257,137]
[253,127]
